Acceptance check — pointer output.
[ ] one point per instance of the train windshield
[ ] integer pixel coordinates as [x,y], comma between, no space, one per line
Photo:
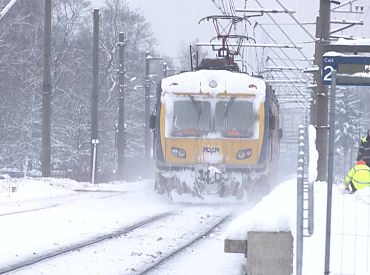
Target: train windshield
[195,117]
[235,118]
[191,118]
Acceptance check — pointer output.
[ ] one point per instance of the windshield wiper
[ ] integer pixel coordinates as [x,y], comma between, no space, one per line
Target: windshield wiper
[198,108]
[228,105]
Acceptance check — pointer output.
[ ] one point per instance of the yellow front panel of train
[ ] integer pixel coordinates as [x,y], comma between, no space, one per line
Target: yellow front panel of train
[197,151]
[203,150]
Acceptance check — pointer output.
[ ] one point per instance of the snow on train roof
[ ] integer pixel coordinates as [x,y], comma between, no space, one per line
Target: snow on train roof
[214,82]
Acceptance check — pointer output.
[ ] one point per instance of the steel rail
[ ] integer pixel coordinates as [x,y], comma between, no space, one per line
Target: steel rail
[83,244]
[181,248]
[29,210]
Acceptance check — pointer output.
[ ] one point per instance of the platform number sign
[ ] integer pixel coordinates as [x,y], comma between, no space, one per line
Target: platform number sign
[352,70]
[329,65]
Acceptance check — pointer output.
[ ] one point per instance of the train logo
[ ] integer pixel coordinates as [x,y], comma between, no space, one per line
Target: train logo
[208,149]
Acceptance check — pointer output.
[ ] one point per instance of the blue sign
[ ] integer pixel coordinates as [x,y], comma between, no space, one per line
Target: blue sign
[352,70]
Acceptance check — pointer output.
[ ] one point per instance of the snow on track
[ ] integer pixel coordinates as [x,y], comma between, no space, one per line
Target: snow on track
[128,254]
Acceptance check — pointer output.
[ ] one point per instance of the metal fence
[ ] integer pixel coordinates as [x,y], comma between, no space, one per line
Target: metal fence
[305,195]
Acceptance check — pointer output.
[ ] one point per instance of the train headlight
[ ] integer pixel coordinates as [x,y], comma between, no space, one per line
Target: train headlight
[244,154]
[178,152]
[212,83]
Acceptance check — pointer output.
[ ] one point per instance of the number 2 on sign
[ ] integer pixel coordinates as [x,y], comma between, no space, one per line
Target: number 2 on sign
[328,70]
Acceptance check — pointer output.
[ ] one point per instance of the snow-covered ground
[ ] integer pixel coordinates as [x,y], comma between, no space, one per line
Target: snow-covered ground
[66,215]
[47,214]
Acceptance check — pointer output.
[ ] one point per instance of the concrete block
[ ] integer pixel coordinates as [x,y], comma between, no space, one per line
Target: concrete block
[270,253]
[235,246]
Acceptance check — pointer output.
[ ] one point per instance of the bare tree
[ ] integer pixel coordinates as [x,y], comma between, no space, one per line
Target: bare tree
[118,17]
[21,83]
[20,48]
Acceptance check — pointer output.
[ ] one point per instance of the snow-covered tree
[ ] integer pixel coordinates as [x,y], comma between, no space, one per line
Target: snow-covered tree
[21,48]
[347,128]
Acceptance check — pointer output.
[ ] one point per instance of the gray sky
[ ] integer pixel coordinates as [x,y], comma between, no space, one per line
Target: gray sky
[176,21]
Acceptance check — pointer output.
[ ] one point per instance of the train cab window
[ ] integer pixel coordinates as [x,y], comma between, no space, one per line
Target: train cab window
[235,118]
[191,118]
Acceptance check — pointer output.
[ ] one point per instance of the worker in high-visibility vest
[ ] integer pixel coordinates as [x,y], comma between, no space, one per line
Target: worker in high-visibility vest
[358,177]
[364,149]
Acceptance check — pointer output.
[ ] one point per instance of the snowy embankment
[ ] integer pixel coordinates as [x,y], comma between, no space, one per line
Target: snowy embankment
[276,212]
[350,226]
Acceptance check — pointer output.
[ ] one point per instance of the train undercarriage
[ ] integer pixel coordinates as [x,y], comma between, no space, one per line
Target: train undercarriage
[204,181]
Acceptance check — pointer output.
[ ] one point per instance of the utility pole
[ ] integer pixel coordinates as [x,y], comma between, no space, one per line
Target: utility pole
[147,108]
[121,108]
[46,95]
[316,77]
[147,142]
[95,98]
[321,96]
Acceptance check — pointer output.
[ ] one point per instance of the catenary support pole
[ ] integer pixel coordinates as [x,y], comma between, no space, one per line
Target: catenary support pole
[95,97]
[121,108]
[321,91]
[46,95]
[147,109]
[330,171]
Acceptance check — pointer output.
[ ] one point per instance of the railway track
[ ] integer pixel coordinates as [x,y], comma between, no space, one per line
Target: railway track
[29,210]
[136,249]
[181,248]
[43,204]
[64,250]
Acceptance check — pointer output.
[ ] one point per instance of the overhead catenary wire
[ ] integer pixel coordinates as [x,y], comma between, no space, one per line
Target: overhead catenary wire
[293,84]
[228,8]
[273,40]
[300,93]
[284,32]
[295,20]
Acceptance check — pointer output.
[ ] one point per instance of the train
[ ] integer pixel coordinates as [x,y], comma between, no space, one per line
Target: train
[216,131]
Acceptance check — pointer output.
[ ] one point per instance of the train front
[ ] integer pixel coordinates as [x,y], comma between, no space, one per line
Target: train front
[209,133]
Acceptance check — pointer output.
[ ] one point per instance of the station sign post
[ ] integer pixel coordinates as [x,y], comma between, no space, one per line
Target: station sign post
[352,70]
[339,70]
